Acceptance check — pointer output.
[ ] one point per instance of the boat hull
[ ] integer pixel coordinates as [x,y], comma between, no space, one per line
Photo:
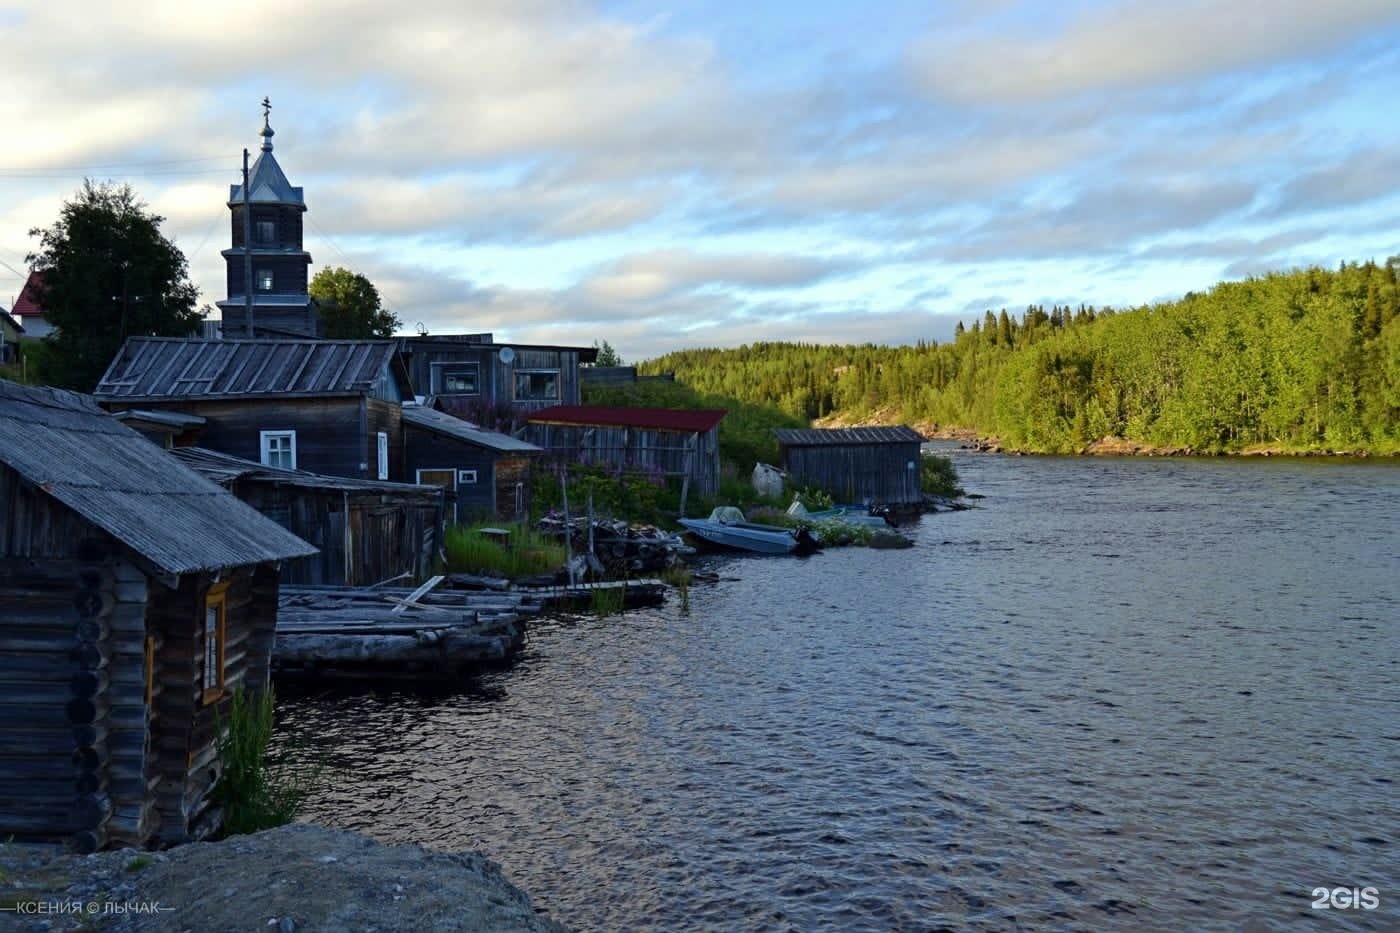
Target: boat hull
[745,536]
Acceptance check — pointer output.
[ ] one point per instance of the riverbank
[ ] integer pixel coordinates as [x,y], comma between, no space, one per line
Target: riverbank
[294,878]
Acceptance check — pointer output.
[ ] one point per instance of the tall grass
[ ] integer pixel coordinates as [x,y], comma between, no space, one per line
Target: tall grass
[608,601]
[257,789]
[525,553]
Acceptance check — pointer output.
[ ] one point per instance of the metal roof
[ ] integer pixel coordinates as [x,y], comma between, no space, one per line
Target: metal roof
[67,446]
[662,419]
[224,469]
[13,322]
[179,368]
[178,420]
[849,437]
[442,423]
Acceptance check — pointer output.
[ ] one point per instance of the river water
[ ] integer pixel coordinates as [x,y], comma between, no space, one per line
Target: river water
[1125,694]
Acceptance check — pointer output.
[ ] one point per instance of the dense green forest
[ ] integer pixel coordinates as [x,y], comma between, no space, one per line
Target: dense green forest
[1305,360]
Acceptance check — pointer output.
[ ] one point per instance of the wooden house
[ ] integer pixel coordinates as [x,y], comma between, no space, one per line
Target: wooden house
[367,531]
[875,465]
[323,406]
[28,308]
[487,472]
[11,330]
[135,597]
[671,442]
[490,384]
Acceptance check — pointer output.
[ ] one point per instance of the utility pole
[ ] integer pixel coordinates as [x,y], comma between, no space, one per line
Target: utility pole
[247,253]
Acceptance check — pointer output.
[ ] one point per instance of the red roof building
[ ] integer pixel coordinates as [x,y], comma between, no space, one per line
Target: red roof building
[27,309]
[667,441]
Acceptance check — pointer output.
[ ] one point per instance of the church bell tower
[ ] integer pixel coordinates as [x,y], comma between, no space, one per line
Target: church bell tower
[266,262]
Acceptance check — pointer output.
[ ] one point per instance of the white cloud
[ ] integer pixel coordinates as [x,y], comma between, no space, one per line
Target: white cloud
[1136,44]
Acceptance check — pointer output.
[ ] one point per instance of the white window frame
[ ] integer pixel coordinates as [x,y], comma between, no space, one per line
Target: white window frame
[265,439]
[466,477]
[440,372]
[265,280]
[558,385]
[383,457]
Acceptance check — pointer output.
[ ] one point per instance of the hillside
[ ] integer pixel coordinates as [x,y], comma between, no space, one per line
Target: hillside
[1300,361]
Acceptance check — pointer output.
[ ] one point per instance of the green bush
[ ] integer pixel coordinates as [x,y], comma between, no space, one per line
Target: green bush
[257,789]
[938,477]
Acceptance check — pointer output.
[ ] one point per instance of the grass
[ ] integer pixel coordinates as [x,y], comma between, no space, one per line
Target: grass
[257,790]
[679,577]
[608,601]
[524,553]
[138,863]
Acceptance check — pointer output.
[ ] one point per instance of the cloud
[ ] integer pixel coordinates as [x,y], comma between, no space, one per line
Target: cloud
[648,276]
[1147,43]
[1362,176]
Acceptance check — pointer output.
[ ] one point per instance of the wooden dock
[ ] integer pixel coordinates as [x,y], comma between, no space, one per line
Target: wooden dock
[374,632]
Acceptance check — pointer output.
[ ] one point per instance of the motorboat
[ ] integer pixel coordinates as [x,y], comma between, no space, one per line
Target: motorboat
[850,514]
[727,528]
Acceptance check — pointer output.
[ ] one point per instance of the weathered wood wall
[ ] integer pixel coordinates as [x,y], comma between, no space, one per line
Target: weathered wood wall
[671,453]
[333,434]
[493,493]
[388,534]
[879,473]
[497,379]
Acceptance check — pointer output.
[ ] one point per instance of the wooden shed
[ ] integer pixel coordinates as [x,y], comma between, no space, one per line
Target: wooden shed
[135,596]
[487,472]
[673,442]
[879,466]
[366,531]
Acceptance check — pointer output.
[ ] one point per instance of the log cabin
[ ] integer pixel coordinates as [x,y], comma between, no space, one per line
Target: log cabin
[135,597]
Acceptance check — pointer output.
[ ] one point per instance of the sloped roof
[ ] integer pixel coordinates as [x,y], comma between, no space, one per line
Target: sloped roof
[224,469]
[856,437]
[178,368]
[449,426]
[27,302]
[66,445]
[267,184]
[13,322]
[662,419]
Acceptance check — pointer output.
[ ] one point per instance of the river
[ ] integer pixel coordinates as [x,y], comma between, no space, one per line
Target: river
[1118,693]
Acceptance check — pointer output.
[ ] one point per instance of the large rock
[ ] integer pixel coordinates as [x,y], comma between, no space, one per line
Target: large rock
[299,878]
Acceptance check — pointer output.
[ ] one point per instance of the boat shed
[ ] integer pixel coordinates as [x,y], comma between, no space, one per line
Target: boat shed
[673,442]
[366,531]
[135,597]
[877,465]
[487,472]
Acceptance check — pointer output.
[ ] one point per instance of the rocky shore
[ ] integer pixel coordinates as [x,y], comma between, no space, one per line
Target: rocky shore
[294,878]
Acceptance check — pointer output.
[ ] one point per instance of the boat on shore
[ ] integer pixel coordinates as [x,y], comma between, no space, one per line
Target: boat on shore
[850,514]
[728,528]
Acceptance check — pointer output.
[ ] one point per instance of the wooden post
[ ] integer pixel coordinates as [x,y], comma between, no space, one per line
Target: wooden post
[568,528]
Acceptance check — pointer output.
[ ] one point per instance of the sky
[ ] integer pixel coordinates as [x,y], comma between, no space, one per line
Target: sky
[706,173]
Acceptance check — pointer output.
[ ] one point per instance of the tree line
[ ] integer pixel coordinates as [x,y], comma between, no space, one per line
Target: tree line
[1301,360]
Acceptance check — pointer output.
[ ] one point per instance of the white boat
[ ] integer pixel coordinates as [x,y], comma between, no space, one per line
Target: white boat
[727,527]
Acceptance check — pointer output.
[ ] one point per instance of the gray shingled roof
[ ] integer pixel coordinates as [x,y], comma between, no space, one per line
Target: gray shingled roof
[817,437]
[177,368]
[64,444]
[442,423]
[224,469]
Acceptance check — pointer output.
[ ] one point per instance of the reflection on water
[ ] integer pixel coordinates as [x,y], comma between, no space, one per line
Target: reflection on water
[1122,693]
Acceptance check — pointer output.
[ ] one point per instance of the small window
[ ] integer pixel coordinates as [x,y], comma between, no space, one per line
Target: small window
[457,379]
[279,449]
[466,477]
[264,280]
[383,455]
[266,231]
[537,385]
[215,637]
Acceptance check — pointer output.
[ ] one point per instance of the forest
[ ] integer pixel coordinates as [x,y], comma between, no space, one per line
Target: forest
[1299,361]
